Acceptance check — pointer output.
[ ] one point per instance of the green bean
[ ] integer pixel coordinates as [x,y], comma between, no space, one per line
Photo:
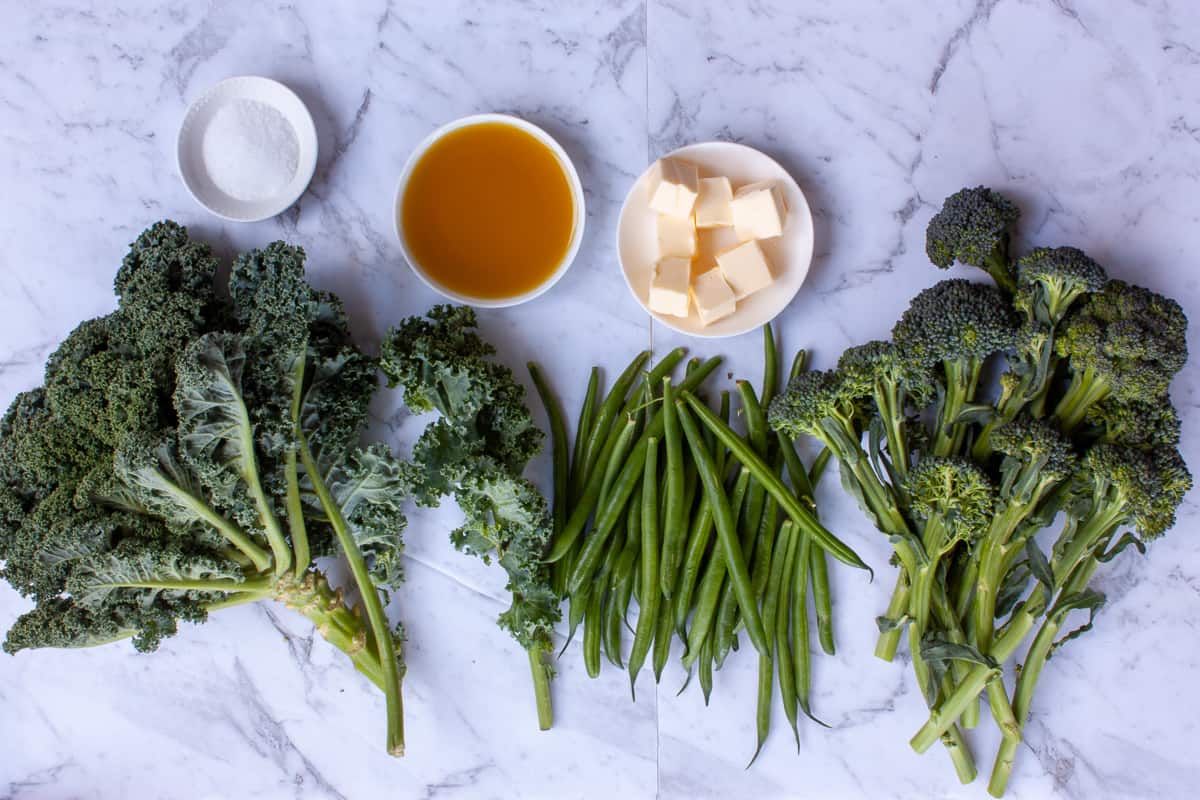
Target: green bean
[764,548]
[735,560]
[620,590]
[697,545]
[591,633]
[633,536]
[582,510]
[725,631]
[673,505]
[665,367]
[822,601]
[631,475]
[770,365]
[711,438]
[558,444]
[583,430]
[709,593]
[783,644]
[624,441]
[798,513]
[613,402]
[766,665]
[662,641]
[818,565]
[756,542]
[800,643]
[648,600]
[799,361]
[756,421]
[577,608]
[706,669]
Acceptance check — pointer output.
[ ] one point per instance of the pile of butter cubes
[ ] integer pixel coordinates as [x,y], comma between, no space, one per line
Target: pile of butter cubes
[685,203]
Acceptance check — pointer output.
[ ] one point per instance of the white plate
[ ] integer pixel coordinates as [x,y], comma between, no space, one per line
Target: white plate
[573,181]
[790,255]
[190,148]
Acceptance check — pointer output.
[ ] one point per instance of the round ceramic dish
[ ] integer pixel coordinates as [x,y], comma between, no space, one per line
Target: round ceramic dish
[576,199]
[790,255]
[190,150]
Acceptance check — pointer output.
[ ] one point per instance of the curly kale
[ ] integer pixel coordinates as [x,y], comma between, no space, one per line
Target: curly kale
[192,451]
[477,450]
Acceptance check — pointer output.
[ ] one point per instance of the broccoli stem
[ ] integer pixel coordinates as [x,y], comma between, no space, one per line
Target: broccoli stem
[996,265]
[889,640]
[991,559]
[374,606]
[1086,389]
[1078,565]
[962,377]
[890,402]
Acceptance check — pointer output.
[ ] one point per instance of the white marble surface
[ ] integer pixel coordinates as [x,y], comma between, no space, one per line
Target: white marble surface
[1087,112]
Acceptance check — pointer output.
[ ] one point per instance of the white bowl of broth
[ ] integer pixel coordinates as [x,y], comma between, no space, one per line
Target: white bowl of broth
[489,211]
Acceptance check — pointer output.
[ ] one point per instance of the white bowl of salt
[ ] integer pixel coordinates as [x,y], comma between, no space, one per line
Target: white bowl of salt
[247,148]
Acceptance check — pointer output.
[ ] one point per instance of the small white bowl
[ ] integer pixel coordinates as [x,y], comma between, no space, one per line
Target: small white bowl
[189,150]
[790,254]
[576,200]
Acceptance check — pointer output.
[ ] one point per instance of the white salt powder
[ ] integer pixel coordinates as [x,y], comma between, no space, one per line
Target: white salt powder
[250,150]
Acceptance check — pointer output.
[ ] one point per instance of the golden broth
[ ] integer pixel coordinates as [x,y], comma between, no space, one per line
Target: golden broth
[488,211]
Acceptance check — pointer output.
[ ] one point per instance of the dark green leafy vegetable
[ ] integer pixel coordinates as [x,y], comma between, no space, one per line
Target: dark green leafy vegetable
[189,452]
[477,451]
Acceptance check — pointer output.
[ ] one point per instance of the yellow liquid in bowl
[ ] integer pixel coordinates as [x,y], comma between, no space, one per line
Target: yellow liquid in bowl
[488,212]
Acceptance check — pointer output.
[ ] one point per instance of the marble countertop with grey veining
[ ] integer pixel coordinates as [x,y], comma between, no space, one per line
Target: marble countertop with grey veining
[1086,112]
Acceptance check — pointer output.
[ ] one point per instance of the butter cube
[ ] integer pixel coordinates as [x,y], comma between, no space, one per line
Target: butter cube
[669,287]
[676,237]
[674,186]
[745,268]
[713,298]
[712,204]
[759,211]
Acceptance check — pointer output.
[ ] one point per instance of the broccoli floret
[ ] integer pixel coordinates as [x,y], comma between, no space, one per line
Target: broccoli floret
[829,405]
[1050,279]
[1036,456]
[1123,341]
[954,498]
[953,327]
[1118,486]
[877,369]
[1147,424]
[972,228]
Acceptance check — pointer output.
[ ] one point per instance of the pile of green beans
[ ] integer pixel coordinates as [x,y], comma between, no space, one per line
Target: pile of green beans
[661,501]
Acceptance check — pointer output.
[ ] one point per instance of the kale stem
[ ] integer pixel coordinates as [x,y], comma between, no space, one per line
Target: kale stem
[371,601]
[279,545]
[235,535]
[541,688]
[295,510]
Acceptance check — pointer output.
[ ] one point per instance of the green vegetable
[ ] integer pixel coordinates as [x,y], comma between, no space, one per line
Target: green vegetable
[1081,428]
[192,451]
[972,228]
[477,450]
